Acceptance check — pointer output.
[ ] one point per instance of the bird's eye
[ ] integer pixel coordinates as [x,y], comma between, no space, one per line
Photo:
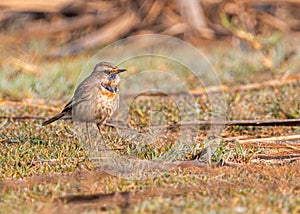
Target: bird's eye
[106,71]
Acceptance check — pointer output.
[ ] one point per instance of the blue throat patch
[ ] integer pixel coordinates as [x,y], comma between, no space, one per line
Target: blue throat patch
[112,89]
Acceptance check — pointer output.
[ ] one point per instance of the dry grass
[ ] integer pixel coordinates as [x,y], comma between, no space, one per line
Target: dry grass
[40,166]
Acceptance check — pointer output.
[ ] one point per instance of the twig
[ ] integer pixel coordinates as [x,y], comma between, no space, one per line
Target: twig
[49,29]
[273,83]
[274,21]
[154,11]
[47,160]
[195,163]
[42,161]
[194,15]
[19,103]
[270,139]
[34,5]
[108,33]
[287,122]
[269,144]
[270,1]
[271,160]
[23,117]
[175,29]
[228,163]
[272,157]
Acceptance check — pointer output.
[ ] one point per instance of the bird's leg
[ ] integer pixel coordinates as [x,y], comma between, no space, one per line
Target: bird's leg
[89,136]
[100,131]
[99,128]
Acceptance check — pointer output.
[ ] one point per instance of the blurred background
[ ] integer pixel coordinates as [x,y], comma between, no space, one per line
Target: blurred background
[71,26]
[45,44]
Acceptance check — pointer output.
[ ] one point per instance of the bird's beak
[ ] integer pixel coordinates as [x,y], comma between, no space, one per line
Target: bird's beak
[117,71]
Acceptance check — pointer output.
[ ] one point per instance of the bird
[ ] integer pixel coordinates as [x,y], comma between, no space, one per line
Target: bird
[95,99]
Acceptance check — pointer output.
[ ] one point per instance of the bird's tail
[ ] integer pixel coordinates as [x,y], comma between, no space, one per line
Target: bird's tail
[52,119]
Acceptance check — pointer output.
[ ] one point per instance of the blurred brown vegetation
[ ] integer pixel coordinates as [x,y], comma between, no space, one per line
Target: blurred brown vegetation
[73,26]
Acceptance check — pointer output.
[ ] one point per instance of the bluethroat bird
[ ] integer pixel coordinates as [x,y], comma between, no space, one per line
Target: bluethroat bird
[95,99]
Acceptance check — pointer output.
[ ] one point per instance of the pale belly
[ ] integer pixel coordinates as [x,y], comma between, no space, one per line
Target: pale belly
[96,110]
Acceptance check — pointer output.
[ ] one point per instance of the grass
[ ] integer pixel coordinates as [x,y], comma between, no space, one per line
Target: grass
[38,165]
